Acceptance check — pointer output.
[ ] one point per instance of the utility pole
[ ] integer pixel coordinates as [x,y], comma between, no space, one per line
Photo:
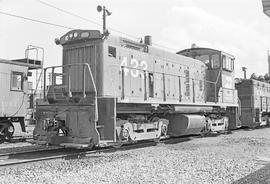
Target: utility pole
[244,69]
[104,15]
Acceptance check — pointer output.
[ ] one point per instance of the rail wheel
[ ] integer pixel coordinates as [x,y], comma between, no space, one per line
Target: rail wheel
[10,131]
[6,132]
[2,138]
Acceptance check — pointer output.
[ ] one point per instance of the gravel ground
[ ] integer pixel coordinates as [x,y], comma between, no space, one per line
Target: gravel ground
[21,147]
[240,157]
[16,145]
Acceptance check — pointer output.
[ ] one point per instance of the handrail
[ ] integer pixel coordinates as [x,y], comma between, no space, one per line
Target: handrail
[39,78]
[36,48]
[70,65]
[216,85]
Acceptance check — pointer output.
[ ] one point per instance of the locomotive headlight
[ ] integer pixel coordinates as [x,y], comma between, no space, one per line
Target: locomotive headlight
[84,34]
[70,35]
[56,41]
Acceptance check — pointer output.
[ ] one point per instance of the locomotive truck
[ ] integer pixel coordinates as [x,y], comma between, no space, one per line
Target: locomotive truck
[112,90]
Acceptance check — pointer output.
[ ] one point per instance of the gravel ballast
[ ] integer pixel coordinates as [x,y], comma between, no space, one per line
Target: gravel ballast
[231,158]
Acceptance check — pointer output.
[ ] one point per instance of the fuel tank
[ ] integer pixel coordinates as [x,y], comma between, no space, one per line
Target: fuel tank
[182,124]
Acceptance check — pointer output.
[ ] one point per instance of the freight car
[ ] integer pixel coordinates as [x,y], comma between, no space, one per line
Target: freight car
[112,90]
[254,96]
[14,94]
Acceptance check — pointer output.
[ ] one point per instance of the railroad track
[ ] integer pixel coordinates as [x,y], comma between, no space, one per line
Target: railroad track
[15,158]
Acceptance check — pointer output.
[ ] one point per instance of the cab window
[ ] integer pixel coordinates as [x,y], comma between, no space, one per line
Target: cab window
[227,63]
[112,51]
[205,59]
[215,61]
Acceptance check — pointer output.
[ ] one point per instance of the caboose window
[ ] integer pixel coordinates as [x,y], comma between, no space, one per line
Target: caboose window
[16,81]
[112,51]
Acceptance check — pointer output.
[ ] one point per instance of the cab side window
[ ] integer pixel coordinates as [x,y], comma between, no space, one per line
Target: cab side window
[215,61]
[227,63]
[205,59]
[112,51]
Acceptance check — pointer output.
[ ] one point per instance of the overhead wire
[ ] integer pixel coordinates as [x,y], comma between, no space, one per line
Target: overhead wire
[67,12]
[95,22]
[36,20]
[70,28]
[83,18]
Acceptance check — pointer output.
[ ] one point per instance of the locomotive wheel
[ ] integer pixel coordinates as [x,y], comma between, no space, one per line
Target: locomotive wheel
[10,131]
[2,138]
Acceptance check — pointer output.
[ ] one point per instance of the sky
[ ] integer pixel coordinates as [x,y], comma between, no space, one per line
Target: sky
[238,27]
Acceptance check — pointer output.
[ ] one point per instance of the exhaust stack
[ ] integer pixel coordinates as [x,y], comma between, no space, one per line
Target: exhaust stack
[148,40]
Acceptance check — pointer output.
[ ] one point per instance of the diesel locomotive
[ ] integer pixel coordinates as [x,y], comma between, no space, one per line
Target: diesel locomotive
[112,90]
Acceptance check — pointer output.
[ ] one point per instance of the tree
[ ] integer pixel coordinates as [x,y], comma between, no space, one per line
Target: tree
[253,76]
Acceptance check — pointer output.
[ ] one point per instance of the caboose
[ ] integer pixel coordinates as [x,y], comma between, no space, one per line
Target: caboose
[15,93]
[113,90]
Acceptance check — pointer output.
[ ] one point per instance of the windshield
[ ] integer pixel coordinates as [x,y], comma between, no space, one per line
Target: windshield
[211,61]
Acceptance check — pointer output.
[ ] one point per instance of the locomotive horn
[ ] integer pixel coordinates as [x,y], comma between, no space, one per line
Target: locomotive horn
[105,13]
[99,8]
[56,41]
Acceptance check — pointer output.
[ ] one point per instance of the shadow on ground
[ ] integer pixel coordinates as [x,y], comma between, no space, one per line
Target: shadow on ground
[261,176]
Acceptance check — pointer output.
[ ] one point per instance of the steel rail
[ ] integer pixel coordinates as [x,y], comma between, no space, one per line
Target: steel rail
[10,159]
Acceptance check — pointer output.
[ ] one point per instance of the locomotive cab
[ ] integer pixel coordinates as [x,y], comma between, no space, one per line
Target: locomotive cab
[219,80]
[219,73]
